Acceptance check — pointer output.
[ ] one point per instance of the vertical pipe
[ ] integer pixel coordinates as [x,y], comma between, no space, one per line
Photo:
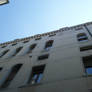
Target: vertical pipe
[88,30]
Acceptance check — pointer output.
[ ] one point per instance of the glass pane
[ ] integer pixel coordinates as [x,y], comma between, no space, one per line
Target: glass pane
[89,71]
[39,78]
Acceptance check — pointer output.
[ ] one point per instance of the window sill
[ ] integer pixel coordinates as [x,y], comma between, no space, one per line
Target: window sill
[30,85]
[89,75]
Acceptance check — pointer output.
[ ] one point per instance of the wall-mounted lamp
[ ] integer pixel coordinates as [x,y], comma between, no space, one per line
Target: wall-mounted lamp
[2,2]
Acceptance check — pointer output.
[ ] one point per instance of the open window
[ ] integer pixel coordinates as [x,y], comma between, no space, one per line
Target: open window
[11,75]
[82,37]
[87,61]
[36,74]
[48,44]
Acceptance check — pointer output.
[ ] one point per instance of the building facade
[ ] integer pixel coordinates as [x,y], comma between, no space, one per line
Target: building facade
[58,61]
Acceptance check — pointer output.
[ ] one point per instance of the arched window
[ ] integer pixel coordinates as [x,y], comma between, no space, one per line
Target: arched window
[48,44]
[31,47]
[82,37]
[11,75]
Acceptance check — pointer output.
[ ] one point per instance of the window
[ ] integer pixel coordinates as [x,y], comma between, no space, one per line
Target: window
[82,37]
[42,57]
[87,61]
[17,51]
[31,48]
[1,68]
[78,28]
[48,44]
[36,75]
[86,48]
[52,35]
[38,38]
[14,44]
[11,76]
[3,46]
[3,53]
[26,41]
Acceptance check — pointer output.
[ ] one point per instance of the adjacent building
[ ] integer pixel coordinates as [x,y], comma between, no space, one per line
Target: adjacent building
[57,61]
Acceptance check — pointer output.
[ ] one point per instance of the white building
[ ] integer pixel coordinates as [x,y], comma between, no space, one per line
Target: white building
[58,61]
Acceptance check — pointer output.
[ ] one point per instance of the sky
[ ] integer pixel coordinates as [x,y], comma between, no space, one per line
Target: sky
[24,18]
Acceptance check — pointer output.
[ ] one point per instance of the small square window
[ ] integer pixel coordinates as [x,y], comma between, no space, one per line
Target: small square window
[26,41]
[52,35]
[82,37]
[42,57]
[38,38]
[86,48]
[48,45]
[14,44]
[79,28]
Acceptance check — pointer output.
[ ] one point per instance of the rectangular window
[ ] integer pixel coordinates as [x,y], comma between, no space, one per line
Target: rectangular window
[87,61]
[26,41]
[36,75]
[48,45]
[3,53]
[52,35]
[86,48]
[17,51]
[79,28]
[31,47]
[14,44]
[38,38]
[3,46]
[11,75]
[42,57]
[82,37]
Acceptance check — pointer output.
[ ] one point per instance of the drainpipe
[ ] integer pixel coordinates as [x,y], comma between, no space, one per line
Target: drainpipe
[88,30]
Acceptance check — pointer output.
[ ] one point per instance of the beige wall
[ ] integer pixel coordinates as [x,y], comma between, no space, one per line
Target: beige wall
[64,71]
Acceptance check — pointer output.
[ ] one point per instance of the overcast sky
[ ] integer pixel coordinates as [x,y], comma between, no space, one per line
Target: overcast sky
[22,18]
